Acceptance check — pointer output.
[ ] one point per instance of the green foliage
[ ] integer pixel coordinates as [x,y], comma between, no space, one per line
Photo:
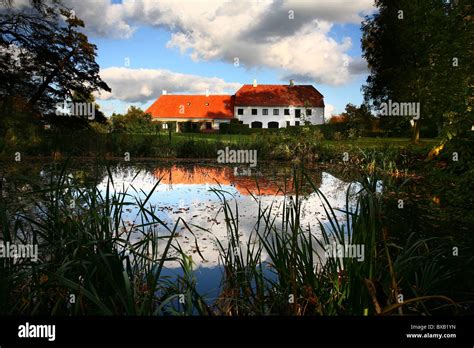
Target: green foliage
[134,121]
[234,128]
[297,279]
[411,47]
[358,118]
[87,251]
[330,130]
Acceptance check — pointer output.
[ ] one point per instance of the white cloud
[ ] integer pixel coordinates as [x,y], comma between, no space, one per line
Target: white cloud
[141,85]
[328,111]
[102,18]
[259,33]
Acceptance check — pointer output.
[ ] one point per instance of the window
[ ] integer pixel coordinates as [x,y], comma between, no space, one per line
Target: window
[287,112]
[308,112]
[189,103]
[276,112]
[265,112]
[272,124]
[165,126]
[240,111]
[297,113]
[287,123]
[207,104]
[297,123]
[208,125]
[256,124]
[254,111]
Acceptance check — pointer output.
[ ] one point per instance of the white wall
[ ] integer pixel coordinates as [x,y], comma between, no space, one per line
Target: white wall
[317,115]
[215,122]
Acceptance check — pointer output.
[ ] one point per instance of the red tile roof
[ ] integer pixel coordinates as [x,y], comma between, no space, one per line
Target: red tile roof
[278,95]
[195,106]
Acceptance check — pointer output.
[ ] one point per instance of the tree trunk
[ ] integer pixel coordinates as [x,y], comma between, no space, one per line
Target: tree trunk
[415,138]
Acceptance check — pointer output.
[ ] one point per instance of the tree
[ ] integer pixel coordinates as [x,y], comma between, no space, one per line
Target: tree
[410,48]
[134,121]
[44,59]
[89,98]
[358,118]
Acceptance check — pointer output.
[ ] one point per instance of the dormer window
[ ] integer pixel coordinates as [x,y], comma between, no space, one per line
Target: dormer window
[189,103]
[206,103]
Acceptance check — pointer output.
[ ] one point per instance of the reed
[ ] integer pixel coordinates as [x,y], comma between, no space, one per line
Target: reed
[93,262]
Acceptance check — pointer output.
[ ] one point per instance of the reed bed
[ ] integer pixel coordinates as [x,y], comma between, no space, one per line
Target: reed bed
[90,263]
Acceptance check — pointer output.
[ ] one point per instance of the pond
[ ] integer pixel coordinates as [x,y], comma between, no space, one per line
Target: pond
[194,193]
[189,197]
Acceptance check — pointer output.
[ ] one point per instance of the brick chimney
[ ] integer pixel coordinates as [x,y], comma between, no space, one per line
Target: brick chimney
[255,82]
[292,83]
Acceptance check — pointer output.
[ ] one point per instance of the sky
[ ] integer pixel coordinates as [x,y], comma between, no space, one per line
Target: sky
[190,46]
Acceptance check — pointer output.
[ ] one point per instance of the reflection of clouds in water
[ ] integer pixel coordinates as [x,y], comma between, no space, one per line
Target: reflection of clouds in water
[197,205]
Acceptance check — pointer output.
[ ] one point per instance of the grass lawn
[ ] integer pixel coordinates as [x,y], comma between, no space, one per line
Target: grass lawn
[368,142]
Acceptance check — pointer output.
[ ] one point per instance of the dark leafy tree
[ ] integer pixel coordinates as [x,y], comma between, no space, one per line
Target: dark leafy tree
[421,51]
[358,117]
[134,121]
[44,58]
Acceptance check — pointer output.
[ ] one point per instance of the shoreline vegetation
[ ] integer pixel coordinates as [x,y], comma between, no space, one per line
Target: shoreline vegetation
[270,146]
[83,250]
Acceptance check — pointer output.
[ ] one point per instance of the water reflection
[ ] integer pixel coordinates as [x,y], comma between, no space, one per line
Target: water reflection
[186,192]
[258,183]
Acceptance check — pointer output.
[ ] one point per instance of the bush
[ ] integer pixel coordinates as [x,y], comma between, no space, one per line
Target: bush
[234,128]
[352,133]
[338,136]
[322,131]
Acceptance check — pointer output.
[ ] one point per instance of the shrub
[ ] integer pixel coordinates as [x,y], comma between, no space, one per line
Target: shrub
[234,128]
[338,136]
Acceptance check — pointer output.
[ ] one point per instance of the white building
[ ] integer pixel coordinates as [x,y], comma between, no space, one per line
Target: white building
[259,106]
[278,106]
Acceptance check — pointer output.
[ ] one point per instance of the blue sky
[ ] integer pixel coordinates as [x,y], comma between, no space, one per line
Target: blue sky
[188,49]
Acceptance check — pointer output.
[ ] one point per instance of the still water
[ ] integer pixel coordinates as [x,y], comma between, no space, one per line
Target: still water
[194,192]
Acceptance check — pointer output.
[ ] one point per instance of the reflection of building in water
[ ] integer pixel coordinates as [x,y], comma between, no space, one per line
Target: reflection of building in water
[259,184]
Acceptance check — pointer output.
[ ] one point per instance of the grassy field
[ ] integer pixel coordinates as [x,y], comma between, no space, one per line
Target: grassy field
[364,142]
[309,145]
